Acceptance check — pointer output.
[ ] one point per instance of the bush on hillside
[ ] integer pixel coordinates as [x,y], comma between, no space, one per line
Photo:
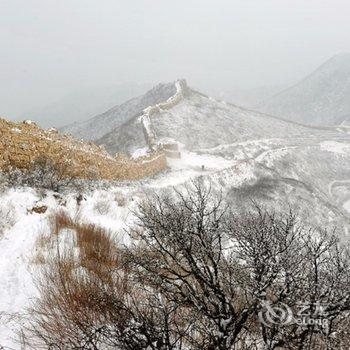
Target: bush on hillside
[196,277]
[43,174]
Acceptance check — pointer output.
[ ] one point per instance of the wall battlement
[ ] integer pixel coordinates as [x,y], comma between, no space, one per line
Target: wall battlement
[181,87]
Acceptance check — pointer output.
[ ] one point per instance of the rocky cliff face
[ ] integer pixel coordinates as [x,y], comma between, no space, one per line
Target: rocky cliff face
[22,143]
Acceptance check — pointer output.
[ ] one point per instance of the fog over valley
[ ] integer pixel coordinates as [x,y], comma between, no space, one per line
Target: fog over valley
[51,50]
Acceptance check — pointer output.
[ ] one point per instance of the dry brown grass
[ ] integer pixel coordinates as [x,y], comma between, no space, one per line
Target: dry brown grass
[61,220]
[38,259]
[43,241]
[73,286]
[95,244]
[97,251]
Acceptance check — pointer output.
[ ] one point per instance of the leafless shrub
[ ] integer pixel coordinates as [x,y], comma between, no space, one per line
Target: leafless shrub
[91,302]
[185,242]
[195,278]
[43,173]
[7,217]
[121,199]
[102,206]
[286,263]
[38,259]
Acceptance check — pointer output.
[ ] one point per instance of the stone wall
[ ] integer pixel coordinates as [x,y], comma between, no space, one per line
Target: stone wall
[148,112]
[22,143]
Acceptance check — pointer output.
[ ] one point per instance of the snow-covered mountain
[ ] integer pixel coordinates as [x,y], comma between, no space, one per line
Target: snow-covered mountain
[96,127]
[322,98]
[250,154]
[197,121]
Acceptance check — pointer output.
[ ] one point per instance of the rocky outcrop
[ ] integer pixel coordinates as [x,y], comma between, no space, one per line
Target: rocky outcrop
[22,143]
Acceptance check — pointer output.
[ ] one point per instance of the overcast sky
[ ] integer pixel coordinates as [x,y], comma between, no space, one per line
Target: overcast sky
[50,48]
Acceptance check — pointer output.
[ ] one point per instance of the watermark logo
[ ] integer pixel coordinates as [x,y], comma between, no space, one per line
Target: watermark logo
[279,314]
[307,314]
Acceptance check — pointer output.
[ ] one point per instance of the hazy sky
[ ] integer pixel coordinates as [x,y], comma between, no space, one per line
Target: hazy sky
[50,48]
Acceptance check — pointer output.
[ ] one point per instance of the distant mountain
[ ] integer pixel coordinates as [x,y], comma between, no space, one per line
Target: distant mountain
[82,105]
[98,126]
[322,98]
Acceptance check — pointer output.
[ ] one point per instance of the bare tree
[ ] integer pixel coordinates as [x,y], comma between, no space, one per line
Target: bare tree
[196,276]
[184,243]
[307,270]
[92,301]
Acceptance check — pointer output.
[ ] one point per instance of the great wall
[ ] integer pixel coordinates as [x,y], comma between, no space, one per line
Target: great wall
[22,143]
[169,148]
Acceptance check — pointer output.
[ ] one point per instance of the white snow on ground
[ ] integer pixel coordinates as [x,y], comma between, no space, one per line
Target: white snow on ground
[190,166]
[270,155]
[16,245]
[194,161]
[335,147]
[140,152]
[108,209]
[248,143]
[347,206]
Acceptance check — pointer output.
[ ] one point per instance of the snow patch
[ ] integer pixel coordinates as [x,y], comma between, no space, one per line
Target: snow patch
[140,152]
[335,147]
[346,206]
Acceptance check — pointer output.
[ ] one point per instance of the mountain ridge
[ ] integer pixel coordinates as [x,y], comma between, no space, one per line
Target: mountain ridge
[321,98]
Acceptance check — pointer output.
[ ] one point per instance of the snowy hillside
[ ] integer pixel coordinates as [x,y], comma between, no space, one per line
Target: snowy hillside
[311,175]
[246,155]
[199,121]
[322,98]
[98,126]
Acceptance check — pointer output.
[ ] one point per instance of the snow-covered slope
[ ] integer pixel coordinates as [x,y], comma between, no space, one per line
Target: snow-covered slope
[322,98]
[100,125]
[198,121]
[245,154]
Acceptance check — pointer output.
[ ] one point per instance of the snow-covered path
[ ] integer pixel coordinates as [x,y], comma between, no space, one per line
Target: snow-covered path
[189,166]
[16,246]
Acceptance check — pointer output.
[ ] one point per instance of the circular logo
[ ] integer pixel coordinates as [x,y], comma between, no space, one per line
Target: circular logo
[279,314]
